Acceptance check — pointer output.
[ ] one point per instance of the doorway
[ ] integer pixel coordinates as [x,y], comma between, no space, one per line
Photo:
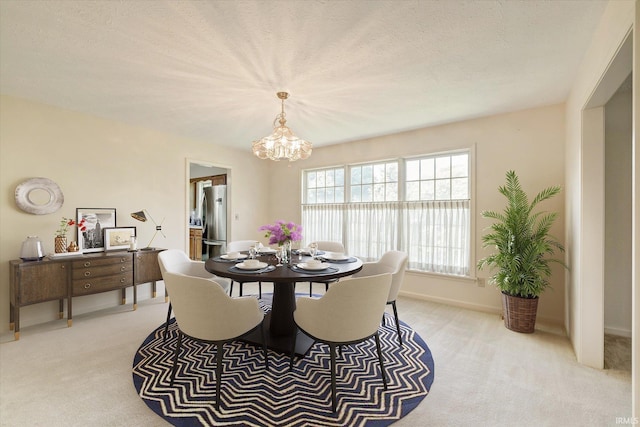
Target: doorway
[202,177]
[590,329]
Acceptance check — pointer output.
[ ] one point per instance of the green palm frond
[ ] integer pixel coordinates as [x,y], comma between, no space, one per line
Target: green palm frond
[520,236]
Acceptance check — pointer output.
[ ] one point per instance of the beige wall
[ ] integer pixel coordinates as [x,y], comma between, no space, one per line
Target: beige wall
[101,163]
[531,142]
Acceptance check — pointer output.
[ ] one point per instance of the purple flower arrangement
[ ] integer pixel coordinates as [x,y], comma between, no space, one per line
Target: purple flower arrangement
[282,232]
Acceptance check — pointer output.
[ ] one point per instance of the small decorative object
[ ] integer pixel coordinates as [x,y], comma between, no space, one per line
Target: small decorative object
[118,238]
[61,234]
[39,196]
[60,244]
[283,233]
[91,239]
[73,247]
[133,246]
[142,217]
[521,238]
[31,249]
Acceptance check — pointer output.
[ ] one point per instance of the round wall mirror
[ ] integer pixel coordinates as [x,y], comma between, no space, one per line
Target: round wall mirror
[39,196]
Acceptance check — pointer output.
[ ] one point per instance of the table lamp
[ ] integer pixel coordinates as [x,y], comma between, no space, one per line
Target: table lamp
[141,216]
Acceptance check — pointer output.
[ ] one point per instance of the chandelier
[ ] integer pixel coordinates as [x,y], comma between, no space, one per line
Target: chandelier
[282,144]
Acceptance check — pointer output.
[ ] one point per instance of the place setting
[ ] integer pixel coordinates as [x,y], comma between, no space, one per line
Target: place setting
[336,257]
[252,266]
[232,257]
[313,266]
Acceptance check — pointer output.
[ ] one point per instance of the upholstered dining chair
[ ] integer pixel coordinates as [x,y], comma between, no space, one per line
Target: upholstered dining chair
[177,261]
[206,313]
[394,262]
[348,313]
[242,246]
[327,246]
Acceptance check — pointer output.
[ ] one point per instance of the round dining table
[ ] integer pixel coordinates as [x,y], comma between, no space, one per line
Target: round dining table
[280,329]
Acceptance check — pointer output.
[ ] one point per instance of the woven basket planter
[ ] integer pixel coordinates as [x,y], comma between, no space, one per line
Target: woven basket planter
[519,313]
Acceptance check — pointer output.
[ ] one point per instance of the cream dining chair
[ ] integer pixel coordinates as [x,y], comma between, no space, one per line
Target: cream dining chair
[394,262]
[206,313]
[242,246]
[348,313]
[326,246]
[177,261]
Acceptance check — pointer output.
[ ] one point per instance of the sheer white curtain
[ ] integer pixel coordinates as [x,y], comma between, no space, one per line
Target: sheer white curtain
[436,235]
[372,229]
[322,222]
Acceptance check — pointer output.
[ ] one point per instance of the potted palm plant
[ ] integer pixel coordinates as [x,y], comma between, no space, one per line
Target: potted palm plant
[524,252]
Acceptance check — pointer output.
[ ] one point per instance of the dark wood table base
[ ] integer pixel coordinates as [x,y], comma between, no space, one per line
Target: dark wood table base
[280,343]
[279,326]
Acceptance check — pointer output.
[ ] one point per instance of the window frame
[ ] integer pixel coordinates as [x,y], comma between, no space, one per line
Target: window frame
[401,190]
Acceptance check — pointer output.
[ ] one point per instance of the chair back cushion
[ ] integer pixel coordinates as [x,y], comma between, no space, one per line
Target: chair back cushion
[396,261]
[170,259]
[329,246]
[349,311]
[240,245]
[204,310]
[176,261]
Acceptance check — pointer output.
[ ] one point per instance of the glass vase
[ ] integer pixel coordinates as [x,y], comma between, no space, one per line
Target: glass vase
[286,252]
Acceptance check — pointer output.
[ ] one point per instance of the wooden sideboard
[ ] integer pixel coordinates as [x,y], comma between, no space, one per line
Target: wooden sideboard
[33,282]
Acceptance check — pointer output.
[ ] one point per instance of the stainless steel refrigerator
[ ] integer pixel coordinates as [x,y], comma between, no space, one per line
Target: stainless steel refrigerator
[214,220]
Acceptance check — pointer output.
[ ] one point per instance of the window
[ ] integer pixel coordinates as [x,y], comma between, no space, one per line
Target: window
[325,186]
[418,205]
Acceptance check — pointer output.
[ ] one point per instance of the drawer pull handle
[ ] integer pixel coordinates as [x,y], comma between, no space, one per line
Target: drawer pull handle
[123,259]
[87,286]
[63,267]
[87,273]
[87,263]
[122,280]
[123,268]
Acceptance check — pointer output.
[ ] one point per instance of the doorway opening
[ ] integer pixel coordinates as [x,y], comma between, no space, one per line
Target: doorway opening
[207,209]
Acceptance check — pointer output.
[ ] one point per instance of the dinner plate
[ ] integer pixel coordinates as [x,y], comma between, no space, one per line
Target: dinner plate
[320,266]
[334,256]
[242,266]
[240,256]
[265,250]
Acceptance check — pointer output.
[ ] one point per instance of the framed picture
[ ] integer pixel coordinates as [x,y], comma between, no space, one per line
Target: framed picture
[118,238]
[92,239]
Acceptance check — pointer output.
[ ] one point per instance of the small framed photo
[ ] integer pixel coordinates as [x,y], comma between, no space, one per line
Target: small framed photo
[118,238]
[92,238]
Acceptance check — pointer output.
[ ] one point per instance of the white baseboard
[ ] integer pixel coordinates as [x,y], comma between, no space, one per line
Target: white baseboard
[620,332]
[478,307]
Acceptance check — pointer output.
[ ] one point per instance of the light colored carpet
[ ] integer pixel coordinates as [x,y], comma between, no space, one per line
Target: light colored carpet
[485,375]
[617,352]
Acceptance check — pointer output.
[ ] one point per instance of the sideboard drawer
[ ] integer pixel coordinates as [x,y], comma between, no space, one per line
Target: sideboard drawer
[101,284]
[100,270]
[102,261]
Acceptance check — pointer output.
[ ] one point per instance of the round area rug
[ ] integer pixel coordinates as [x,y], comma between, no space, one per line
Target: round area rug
[252,396]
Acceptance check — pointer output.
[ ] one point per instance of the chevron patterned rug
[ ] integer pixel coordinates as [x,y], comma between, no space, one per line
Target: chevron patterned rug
[252,396]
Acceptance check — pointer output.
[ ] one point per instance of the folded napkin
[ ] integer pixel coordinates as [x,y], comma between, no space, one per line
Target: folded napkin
[262,270]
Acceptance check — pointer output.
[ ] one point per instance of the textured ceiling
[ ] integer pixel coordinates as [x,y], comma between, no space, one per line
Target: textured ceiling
[211,69]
